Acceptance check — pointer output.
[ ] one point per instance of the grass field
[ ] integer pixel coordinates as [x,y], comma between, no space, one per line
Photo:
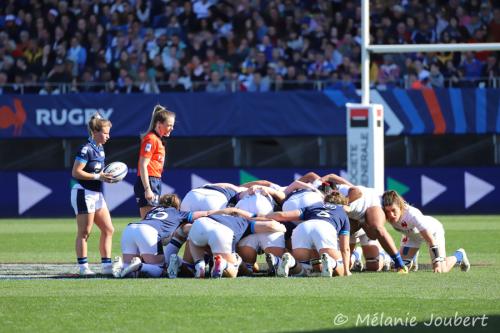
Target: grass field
[364,302]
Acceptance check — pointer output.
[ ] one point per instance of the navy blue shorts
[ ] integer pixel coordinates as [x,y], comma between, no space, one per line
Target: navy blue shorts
[155,184]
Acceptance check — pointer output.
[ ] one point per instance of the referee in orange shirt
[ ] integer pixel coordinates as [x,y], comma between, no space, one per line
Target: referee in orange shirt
[147,188]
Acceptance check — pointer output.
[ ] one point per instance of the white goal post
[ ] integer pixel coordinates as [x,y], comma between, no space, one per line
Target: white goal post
[374,137]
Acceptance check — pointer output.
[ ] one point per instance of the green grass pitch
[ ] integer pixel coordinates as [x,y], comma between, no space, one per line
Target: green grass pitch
[367,302]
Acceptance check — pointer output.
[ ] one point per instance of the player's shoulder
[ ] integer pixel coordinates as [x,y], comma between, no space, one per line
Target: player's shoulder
[151,137]
[413,211]
[84,148]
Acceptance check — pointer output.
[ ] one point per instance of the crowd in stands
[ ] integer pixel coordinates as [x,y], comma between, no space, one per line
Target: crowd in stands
[151,46]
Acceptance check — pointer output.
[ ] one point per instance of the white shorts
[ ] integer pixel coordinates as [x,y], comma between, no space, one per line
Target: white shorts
[203,199]
[206,231]
[302,200]
[315,234]
[85,201]
[361,238]
[370,198]
[261,241]
[138,238]
[256,204]
[415,240]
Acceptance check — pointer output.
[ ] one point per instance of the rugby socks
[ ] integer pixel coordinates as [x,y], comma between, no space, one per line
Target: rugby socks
[172,247]
[83,262]
[106,263]
[398,261]
[276,261]
[199,269]
[292,262]
[459,255]
[151,270]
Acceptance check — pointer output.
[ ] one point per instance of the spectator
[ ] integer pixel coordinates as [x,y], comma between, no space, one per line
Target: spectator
[77,54]
[145,84]
[5,88]
[474,23]
[215,85]
[128,86]
[345,83]
[87,83]
[290,79]
[452,73]
[259,83]
[201,8]
[436,78]
[424,34]
[159,36]
[388,74]
[320,68]
[418,83]
[491,72]
[173,84]
[59,75]
[471,67]
[494,27]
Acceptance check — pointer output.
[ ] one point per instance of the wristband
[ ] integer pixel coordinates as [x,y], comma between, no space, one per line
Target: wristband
[97,176]
[438,259]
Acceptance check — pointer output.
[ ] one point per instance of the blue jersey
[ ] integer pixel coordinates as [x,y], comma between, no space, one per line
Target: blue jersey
[166,220]
[333,214]
[92,156]
[240,226]
[229,193]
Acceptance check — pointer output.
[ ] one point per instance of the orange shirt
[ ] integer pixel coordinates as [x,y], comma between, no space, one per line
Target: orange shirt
[153,148]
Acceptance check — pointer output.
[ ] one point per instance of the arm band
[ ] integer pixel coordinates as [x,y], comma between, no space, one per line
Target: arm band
[252,227]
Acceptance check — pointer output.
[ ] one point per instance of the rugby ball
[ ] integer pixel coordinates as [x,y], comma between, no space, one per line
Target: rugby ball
[118,170]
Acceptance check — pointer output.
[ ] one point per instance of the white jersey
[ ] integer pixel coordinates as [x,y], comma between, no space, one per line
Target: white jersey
[413,222]
[257,203]
[369,198]
[278,187]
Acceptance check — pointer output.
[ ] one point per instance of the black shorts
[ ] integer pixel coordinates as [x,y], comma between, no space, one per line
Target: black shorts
[155,184]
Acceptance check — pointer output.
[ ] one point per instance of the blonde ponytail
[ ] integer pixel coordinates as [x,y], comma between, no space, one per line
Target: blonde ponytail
[160,114]
[96,123]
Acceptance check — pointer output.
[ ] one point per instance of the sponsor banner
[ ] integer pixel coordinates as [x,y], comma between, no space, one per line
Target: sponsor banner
[198,114]
[408,112]
[434,190]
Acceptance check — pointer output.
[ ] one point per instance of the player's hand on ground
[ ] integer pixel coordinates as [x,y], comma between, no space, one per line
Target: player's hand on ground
[403,270]
[437,269]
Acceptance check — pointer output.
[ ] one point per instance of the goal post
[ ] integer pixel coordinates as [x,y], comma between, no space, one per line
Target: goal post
[368,142]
